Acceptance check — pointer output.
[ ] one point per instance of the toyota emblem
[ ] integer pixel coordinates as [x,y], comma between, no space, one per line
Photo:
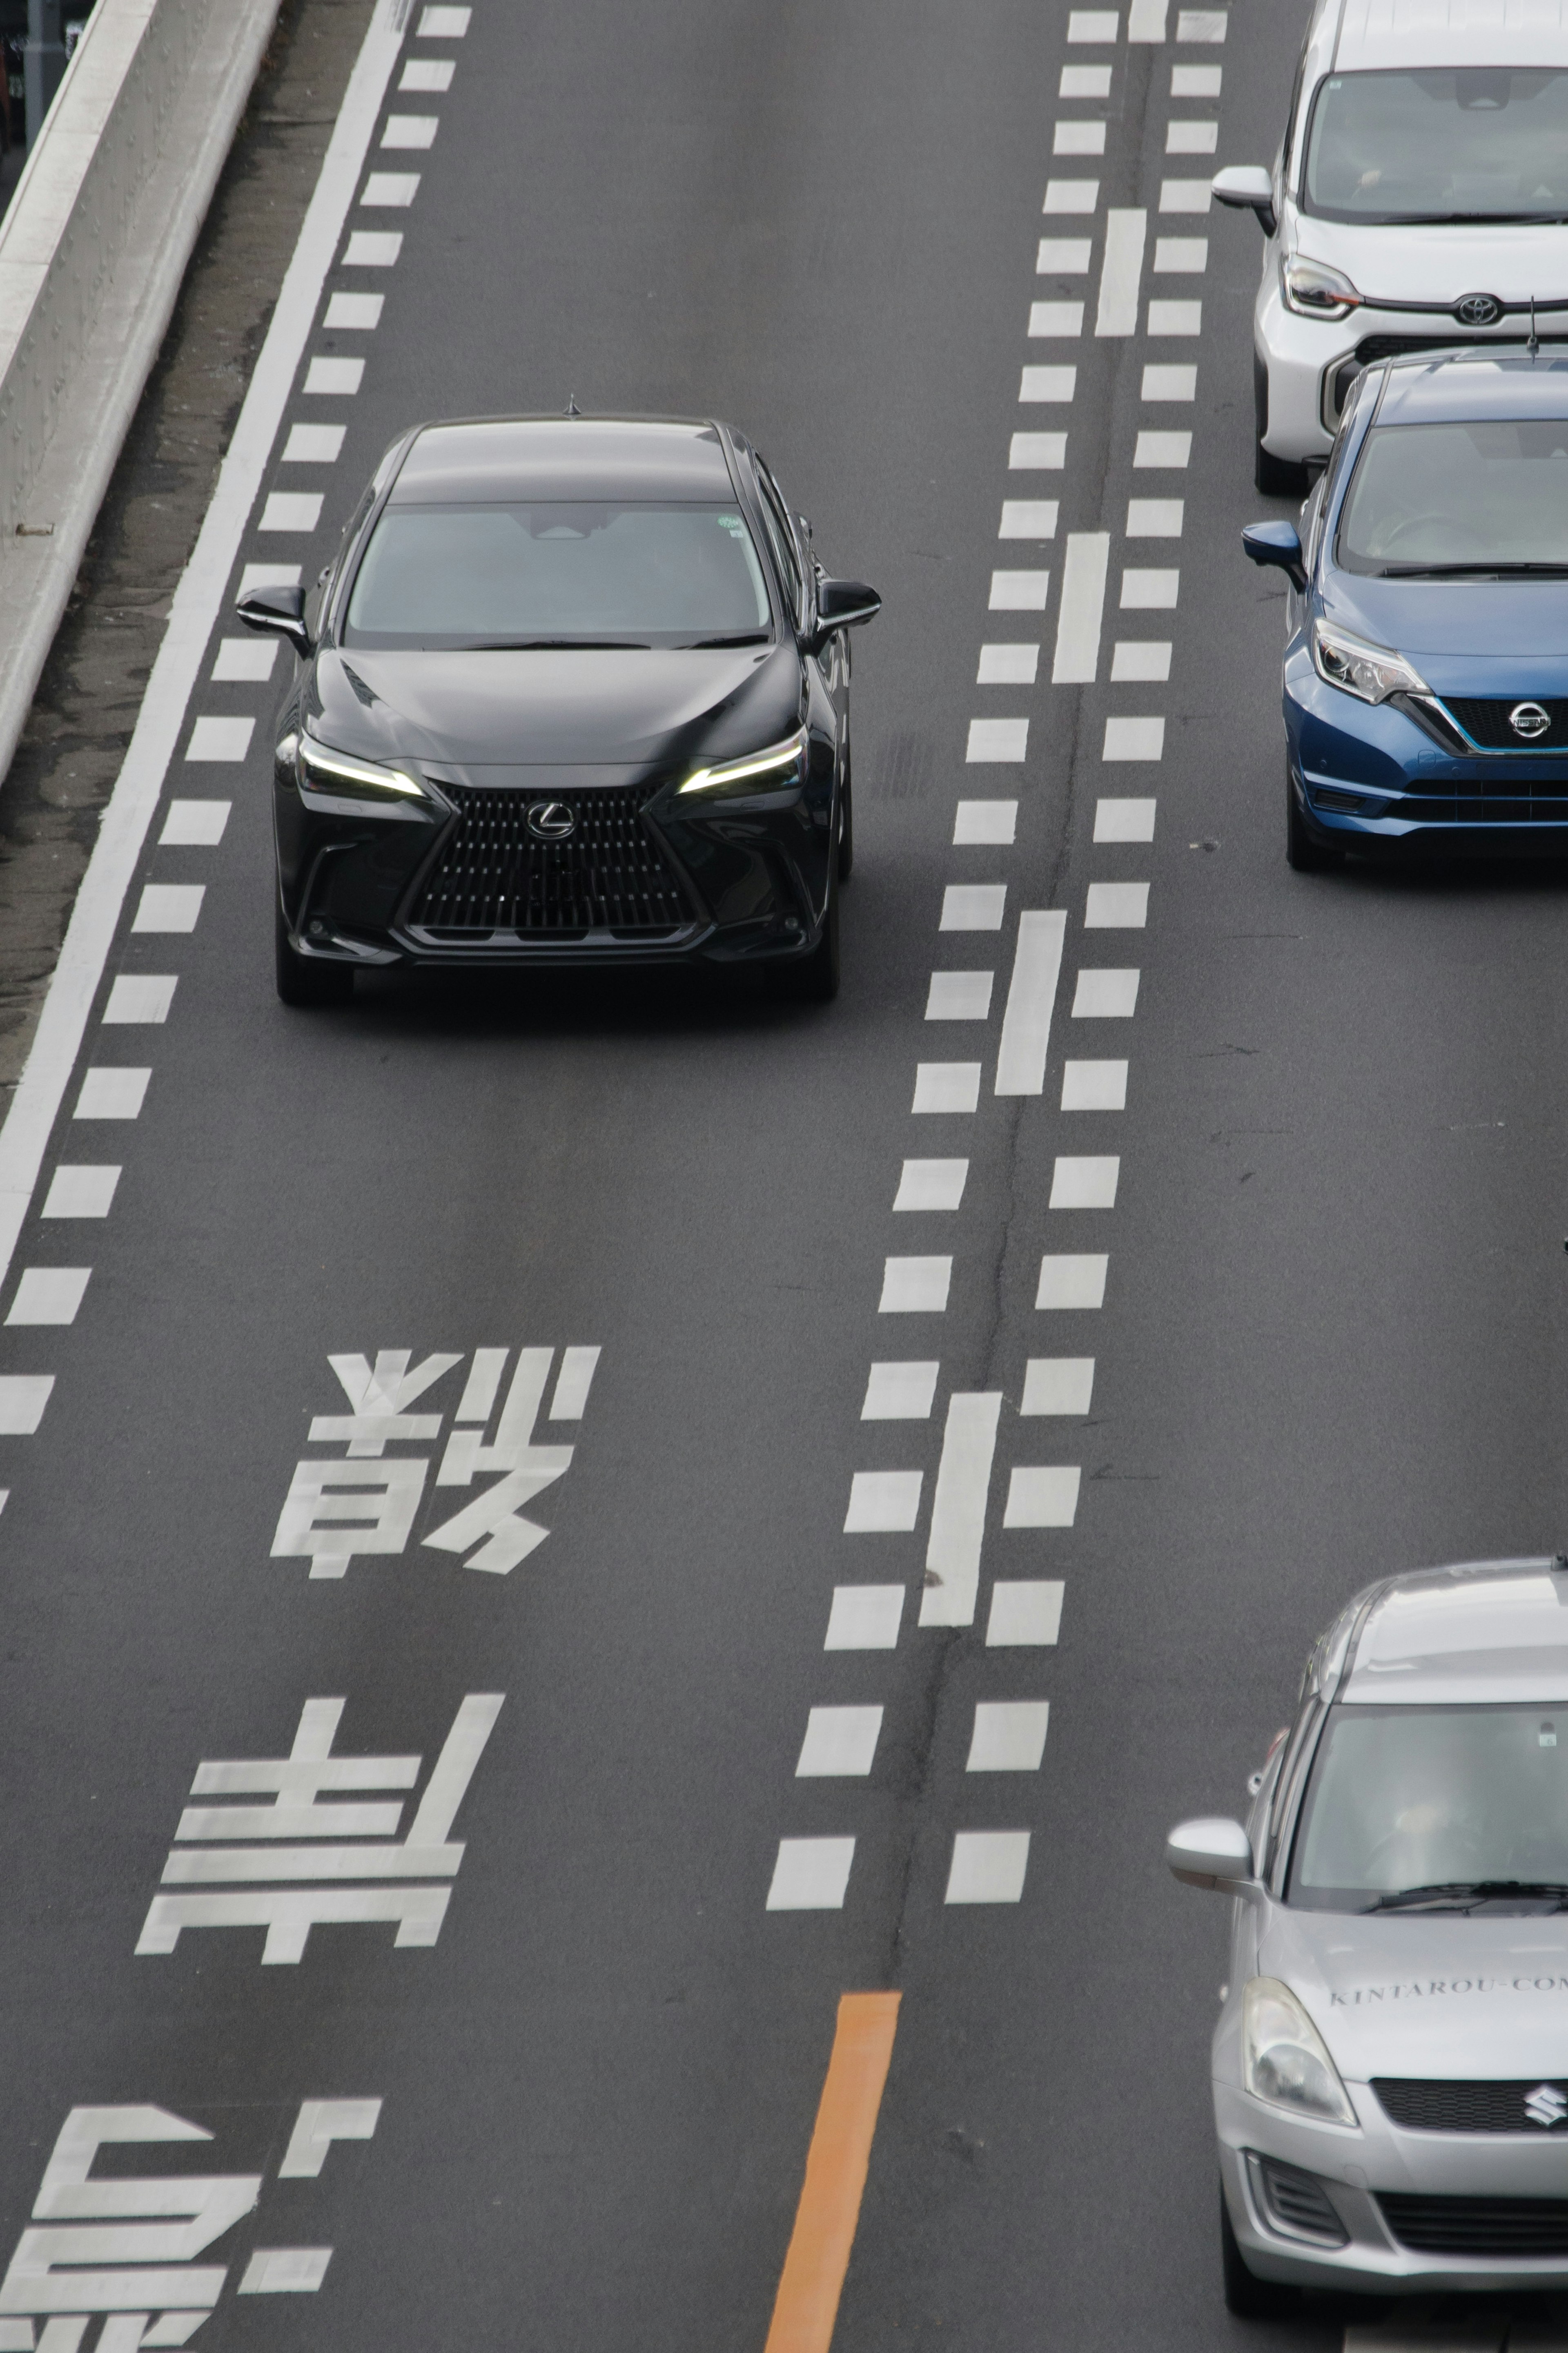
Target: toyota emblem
[1478,310]
[1529,720]
[556,821]
[1546,2106]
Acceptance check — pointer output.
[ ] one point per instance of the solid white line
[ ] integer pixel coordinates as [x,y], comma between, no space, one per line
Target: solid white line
[958,1510]
[123,830]
[1082,608]
[1031,994]
[1124,234]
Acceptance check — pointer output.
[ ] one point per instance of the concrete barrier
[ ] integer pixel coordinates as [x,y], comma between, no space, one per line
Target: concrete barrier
[92,251]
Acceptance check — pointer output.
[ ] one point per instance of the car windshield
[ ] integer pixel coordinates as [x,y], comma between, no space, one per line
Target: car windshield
[1468,143]
[1428,497]
[1434,1803]
[454,576]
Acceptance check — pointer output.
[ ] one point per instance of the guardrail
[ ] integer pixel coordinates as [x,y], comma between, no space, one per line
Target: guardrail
[92,251]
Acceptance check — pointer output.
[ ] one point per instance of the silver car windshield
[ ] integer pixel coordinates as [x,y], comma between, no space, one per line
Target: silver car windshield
[1434,1807]
[1459,498]
[590,573]
[1471,142]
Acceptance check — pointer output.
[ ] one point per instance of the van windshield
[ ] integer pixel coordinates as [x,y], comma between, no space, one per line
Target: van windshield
[1435,1808]
[1459,143]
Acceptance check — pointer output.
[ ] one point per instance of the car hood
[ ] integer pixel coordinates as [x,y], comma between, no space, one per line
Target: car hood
[1438,264]
[622,708]
[1428,1993]
[1465,636]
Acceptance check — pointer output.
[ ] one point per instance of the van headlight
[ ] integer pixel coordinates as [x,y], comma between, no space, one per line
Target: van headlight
[1315,290]
[1284,2058]
[1371,673]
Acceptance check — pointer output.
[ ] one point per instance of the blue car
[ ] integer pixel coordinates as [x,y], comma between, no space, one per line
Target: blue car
[1427,667]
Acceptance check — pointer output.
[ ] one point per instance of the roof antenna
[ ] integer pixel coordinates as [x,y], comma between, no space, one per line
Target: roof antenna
[1533,346]
[572,409]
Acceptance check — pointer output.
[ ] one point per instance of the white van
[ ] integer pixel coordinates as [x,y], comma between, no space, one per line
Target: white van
[1418,200]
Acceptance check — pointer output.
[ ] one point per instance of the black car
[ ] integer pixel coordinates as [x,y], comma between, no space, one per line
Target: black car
[573,691]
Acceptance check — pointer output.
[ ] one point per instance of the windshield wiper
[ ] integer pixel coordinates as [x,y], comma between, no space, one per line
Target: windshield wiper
[1460,1894]
[555,646]
[1473,571]
[1439,220]
[745,638]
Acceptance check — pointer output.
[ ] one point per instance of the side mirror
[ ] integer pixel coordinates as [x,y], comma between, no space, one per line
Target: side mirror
[842,605]
[1248,188]
[1278,543]
[1212,1853]
[279,613]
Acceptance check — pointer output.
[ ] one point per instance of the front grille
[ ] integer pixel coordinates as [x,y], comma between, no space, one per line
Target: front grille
[493,875]
[1296,2202]
[1499,2227]
[1495,809]
[1486,722]
[1421,2106]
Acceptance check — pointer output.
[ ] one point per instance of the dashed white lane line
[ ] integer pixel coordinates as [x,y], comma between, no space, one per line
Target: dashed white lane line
[269,575]
[140,997]
[415,132]
[915,1286]
[840,1742]
[112,1094]
[1124,820]
[1181,257]
[244,661]
[390,191]
[1140,661]
[373,248]
[1116,907]
[1146,20]
[1202,24]
[1055,1385]
[1073,196]
[1063,257]
[1184,195]
[1054,319]
[1094,1086]
[1043,1496]
[901,1392]
[49,1294]
[1195,81]
[958,1509]
[1106,994]
[1084,82]
[1028,519]
[427,74]
[988,1867]
[974,907]
[883,1503]
[1008,665]
[946,1087]
[1093,25]
[997,743]
[1175,318]
[80,1192]
[194,825]
[220,739]
[1133,739]
[334,379]
[978,824]
[1019,592]
[1084,1181]
[1147,591]
[862,1618]
[291,510]
[1038,387]
[1025,1613]
[23,1397]
[1077,138]
[1009,1736]
[1073,1279]
[1190,138]
[931,1185]
[443,24]
[811,1874]
[959,997]
[1157,449]
[1154,518]
[1169,381]
[1125,233]
[169,907]
[1079,619]
[1031,995]
[315,445]
[1037,453]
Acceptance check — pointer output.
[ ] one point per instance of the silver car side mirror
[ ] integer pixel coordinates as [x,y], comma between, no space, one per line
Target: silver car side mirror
[1213,1852]
[1249,188]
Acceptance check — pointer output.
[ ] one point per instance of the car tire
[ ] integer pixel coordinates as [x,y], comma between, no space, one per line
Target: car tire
[814,979]
[301,980]
[1277,478]
[1247,2295]
[1303,851]
[845,824]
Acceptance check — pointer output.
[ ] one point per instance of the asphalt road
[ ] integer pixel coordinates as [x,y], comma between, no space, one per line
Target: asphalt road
[1329,1344]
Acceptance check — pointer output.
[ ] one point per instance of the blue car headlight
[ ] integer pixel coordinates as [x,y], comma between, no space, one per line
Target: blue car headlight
[1371,673]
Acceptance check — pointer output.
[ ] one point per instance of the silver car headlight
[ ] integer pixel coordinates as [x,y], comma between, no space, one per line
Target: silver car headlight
[1315,290]
[1371,672]
[1284,2059]
[344,776]
[759,772]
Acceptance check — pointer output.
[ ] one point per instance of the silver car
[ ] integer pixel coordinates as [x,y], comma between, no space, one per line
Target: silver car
[1390,2062]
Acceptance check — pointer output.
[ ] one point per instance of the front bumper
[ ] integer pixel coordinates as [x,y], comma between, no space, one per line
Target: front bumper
[1351,2169]
[1369,777]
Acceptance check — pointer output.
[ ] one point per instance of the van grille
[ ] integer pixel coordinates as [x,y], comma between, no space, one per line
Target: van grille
[492,874]
[1499,2227]
[1421,2106]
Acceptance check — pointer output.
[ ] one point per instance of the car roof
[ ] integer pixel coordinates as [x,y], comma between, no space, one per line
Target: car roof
[1488,1630]
[475,461]
[1454,386]
[1417,33]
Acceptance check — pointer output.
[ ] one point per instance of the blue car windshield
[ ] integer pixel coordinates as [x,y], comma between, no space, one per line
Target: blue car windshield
[1471,142]
[1463,497]
[594,574]
[1447,1800]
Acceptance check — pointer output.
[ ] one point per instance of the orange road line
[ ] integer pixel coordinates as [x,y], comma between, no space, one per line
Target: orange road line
[813,2277]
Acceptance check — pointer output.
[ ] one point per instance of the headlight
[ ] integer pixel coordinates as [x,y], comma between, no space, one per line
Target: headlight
[760,771]
[1371,672]
[322,770]
[1315,289]
[1283,2058]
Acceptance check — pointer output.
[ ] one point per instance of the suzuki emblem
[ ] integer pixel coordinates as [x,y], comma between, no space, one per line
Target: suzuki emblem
[1528,720]
[552,820]
[1546,2106]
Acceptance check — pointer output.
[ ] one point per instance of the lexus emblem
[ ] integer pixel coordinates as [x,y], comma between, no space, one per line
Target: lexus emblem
[555,821]
[1546,2106]
[1478,310]
[1530,721]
